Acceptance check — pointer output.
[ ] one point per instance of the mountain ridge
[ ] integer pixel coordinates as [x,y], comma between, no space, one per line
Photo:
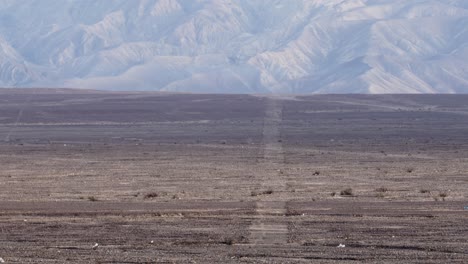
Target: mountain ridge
[237,46]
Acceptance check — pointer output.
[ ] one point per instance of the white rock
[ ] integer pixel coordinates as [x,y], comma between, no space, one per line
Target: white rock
[2,260]
[95,246]
[341,246]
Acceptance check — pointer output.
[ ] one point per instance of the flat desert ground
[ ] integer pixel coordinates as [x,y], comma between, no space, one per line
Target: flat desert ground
[97,177]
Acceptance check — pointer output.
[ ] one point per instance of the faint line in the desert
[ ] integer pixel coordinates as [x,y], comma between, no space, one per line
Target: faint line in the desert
[264,231]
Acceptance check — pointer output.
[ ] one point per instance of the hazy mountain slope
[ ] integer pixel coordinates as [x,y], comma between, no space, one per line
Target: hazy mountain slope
[324,46]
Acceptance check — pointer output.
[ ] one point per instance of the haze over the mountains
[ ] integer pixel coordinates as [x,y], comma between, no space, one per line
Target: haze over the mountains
[301,46]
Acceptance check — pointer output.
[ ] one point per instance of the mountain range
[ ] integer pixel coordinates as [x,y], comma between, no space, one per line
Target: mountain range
[237,46]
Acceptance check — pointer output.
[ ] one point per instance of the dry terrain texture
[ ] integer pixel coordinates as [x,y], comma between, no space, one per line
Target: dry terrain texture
[92,177]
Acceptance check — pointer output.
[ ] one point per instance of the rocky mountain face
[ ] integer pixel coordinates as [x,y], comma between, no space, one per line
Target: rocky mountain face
[237,46]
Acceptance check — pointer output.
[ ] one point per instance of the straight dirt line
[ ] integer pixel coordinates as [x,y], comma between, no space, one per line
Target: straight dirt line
[264,230]
[64,207]
[18,117]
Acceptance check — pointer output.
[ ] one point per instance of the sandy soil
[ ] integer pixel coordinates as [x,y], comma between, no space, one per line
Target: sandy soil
[177,178]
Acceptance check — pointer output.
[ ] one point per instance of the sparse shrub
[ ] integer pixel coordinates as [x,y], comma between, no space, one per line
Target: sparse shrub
[443,195]
[290,212]
[175,197]
[151,195]
[381,190]
[257,193]
[227,241]
[333,194]
[92,199]
[424,191]
[316,173]
[347,192]
[410,170]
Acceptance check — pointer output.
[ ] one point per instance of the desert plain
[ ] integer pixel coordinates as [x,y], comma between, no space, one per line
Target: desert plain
[119,177]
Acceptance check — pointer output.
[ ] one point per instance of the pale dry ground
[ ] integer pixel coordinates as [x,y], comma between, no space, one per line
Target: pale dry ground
[229,179]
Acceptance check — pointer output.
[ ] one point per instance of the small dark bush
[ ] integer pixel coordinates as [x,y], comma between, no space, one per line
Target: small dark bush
[92,199]
[381,190]
[347,192]
[257,193]
[151,195]
[228,241]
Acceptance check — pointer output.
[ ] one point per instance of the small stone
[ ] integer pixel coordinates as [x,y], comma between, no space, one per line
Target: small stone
[341,246]
[95,246]
[2,260]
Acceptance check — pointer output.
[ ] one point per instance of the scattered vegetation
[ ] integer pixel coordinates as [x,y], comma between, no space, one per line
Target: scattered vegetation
[381,190]
[257,193]
[443,195]
[292,212]
[92,199]
[316,173]
[424,191]
[333,194]
[151,195]
[347,192]
[227,241]
[410,170]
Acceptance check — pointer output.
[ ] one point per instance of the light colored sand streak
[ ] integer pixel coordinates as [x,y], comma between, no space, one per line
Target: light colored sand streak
[265,230]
